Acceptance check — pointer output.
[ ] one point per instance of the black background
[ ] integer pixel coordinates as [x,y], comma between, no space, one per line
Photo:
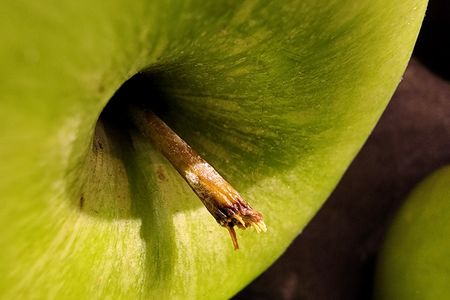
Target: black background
[335,257]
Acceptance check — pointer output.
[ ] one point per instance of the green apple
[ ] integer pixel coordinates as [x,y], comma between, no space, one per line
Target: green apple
[278,95]
[414,262]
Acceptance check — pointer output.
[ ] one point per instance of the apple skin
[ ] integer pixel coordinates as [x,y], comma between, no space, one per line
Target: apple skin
[278,96]
[414,262]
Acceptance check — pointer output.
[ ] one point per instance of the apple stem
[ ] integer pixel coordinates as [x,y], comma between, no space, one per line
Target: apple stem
[225,204]
[233,237]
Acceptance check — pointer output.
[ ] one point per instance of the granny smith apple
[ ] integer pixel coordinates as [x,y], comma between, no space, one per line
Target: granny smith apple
[278,96]
[414,262]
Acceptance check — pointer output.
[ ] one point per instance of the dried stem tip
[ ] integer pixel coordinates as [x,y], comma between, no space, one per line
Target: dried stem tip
[219,197]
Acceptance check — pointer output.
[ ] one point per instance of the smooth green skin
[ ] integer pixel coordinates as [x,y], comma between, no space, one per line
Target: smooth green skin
[277,95]
[415,260]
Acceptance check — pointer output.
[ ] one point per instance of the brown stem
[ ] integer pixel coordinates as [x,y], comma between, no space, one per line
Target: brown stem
[219,197]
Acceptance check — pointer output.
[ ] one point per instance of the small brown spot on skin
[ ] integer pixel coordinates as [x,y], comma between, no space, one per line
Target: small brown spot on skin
[161,174]
[97,145]
[81,201]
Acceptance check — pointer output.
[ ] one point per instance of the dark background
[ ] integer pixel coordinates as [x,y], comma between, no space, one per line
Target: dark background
[335,256]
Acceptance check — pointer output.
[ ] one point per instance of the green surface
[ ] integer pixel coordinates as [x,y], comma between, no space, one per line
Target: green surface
[278,96]
[414,262]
